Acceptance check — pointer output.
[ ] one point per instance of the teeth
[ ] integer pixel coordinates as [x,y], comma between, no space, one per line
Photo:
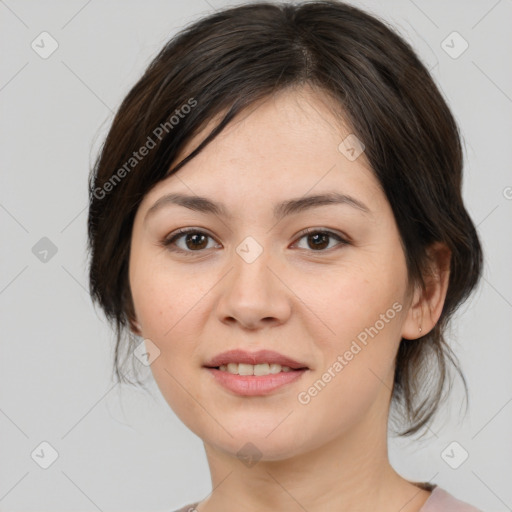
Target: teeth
[245,369]
[276,368]
[256,369]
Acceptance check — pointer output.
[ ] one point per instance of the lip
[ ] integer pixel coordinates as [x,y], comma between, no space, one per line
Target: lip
[259,357]
[253,385]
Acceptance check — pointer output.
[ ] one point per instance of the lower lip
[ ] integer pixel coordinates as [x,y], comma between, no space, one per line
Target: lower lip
[252,385]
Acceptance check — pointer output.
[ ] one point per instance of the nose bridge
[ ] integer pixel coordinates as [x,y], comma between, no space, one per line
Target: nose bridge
[253,292]
[252,262]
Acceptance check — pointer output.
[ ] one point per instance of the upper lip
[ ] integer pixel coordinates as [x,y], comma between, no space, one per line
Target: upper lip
[259,357]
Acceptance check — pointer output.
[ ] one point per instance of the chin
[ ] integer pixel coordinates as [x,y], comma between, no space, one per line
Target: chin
[252,449]
[255,443]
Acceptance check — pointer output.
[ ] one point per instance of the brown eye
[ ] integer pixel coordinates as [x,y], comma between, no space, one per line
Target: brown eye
[318,240]
[194,240]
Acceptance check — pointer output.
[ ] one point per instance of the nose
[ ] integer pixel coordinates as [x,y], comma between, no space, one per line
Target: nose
[254,294]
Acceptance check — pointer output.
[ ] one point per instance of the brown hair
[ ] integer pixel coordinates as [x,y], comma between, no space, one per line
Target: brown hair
[229,60]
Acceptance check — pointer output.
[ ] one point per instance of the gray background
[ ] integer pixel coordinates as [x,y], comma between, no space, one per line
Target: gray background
[121,449]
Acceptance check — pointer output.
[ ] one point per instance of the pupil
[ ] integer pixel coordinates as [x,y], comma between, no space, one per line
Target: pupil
[323,235]
[194,237]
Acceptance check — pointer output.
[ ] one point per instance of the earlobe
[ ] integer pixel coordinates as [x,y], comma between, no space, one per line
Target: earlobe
[427,304]
[135,327]
[131,315]
[412,327]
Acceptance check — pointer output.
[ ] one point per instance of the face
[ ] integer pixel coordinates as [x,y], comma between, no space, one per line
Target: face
[324,285]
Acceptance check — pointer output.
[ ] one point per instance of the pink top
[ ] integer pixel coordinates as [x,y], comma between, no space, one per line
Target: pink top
[439,501]
[442,501]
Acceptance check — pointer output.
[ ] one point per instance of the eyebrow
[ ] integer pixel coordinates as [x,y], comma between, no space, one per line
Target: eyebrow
[281,210]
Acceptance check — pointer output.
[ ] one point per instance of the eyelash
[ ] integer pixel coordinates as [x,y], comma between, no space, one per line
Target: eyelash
[169,241]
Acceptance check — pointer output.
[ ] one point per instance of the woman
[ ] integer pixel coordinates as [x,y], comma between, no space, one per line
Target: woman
[276,212]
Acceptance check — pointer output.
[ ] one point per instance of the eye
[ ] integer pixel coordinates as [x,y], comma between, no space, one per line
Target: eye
[194,240]
[319,238]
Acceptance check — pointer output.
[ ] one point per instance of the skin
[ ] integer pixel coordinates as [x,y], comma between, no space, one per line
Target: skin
[304,302]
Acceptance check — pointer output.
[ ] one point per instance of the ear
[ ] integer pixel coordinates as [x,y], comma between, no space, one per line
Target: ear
[129,309]
[135,326]
[427,305]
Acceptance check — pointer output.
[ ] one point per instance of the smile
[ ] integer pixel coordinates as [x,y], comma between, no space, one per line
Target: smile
[254,369]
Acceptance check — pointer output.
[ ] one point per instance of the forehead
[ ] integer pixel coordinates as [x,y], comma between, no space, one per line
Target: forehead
[285,145]
[294,118]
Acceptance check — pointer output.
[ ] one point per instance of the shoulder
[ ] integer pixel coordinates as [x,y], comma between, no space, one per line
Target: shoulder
[188,508]
[442,501]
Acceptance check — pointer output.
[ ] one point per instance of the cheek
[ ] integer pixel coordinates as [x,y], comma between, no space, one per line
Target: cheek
[168,319]
[362,317]
[355,299]
[169,309]
[165,315]
[356,371]
[160,297]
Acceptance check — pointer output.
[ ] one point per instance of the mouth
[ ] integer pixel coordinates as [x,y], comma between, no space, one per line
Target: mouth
[255,369]
[242,360]
[256,373]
